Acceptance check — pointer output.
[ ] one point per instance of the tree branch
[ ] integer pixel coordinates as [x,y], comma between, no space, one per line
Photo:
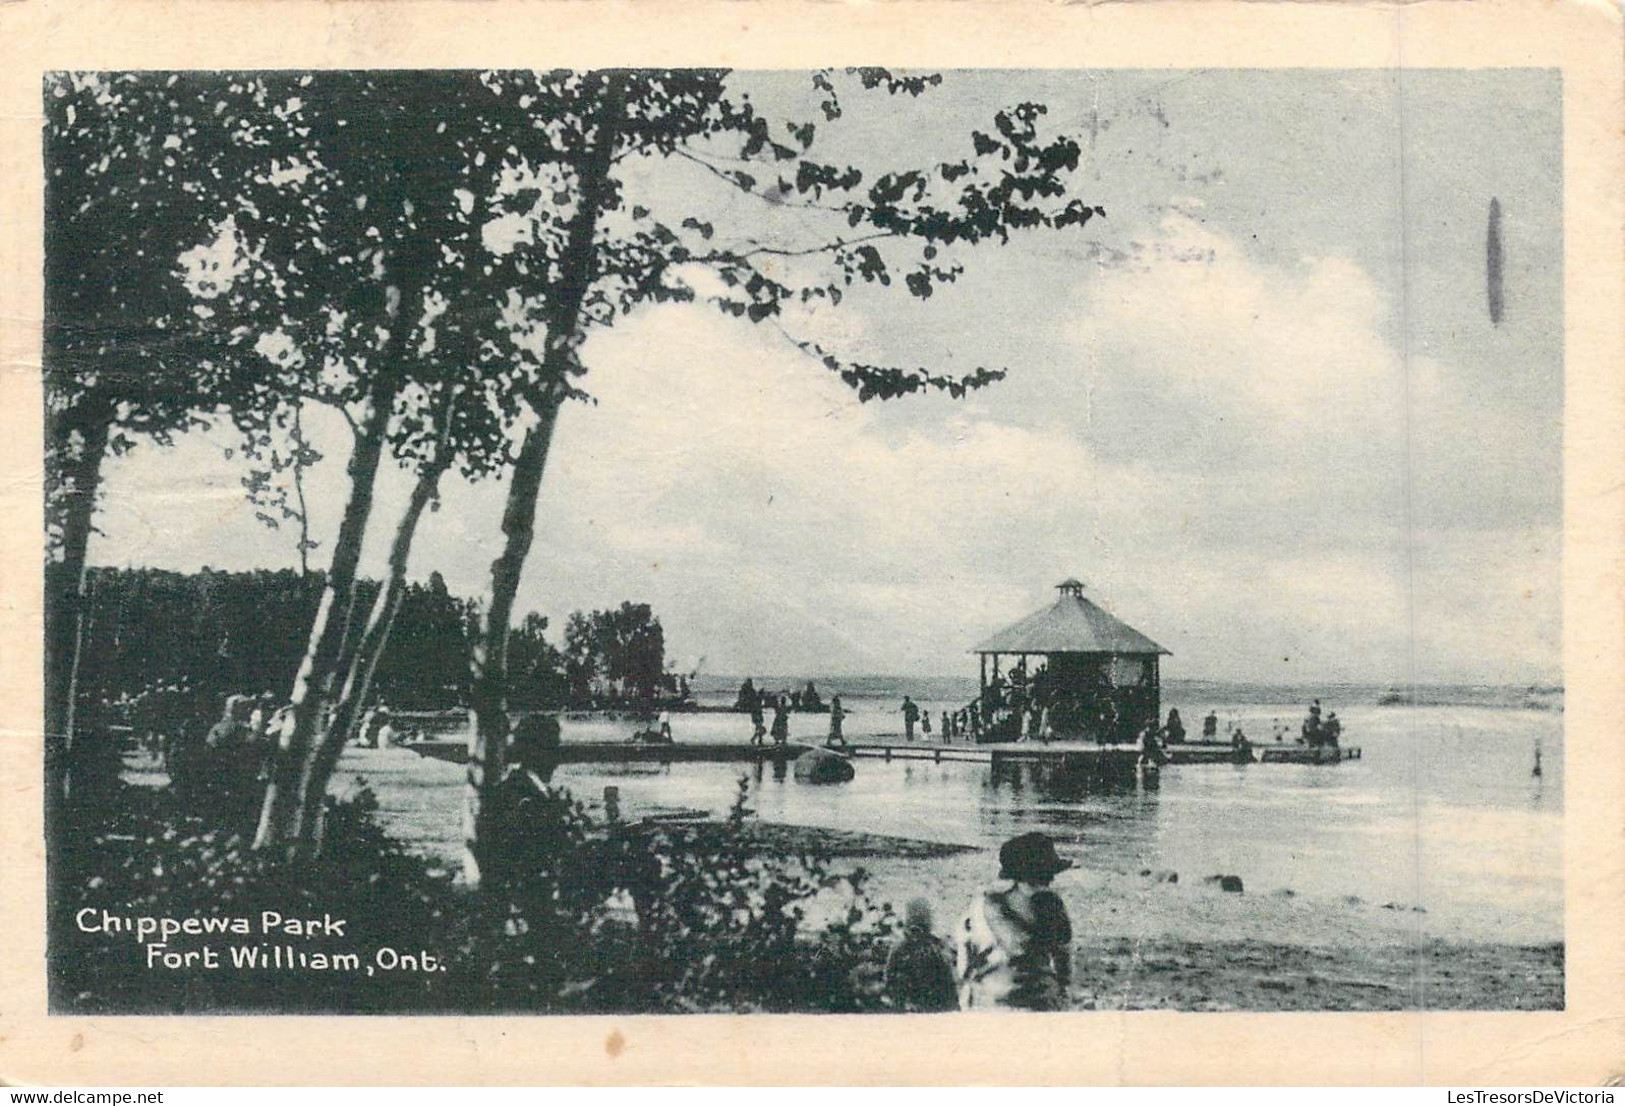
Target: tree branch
[733,182]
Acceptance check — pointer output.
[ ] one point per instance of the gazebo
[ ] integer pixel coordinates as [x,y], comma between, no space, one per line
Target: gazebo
[1097,678]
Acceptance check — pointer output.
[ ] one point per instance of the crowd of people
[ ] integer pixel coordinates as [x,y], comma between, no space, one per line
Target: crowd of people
[806,699]
[1317,732]
[216,748]
[1314,731]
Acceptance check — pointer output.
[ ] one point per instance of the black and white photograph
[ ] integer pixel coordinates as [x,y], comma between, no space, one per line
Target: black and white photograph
[822,541]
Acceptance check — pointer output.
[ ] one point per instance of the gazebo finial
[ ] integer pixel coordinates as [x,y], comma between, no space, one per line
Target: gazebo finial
[1070,586]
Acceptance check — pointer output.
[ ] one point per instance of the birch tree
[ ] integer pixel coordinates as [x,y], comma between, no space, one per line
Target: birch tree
[139,168]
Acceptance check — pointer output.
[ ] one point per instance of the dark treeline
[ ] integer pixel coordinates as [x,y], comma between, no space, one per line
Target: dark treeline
[244,633]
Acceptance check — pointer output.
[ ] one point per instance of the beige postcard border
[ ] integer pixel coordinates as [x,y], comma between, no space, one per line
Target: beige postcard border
[1585,1044]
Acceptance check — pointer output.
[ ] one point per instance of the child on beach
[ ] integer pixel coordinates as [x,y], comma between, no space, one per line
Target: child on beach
[919,977]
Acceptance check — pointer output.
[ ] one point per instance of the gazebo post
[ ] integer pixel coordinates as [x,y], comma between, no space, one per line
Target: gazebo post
[984,676]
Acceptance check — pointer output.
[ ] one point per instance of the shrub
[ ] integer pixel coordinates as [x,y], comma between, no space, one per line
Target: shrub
[621,919]
[723,928]
[147,854]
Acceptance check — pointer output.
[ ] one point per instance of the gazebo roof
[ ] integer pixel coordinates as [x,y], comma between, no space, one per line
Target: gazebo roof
[1072,625]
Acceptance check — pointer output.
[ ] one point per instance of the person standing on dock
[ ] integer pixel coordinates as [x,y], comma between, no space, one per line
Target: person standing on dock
[911,714]
[1014,945]
[1175,728]
[1210,726]
[1242,749]
[781,720]
[836,714]
[758,730]
[1151,751]
[1311,725]
[947,727]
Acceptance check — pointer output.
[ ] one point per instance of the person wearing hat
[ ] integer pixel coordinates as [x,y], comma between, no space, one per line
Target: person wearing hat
[1014,944]
[520,801]
[222,772]
[911,715]
[533,750]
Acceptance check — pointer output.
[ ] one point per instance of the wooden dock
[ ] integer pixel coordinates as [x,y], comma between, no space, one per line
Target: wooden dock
[919,750]
[1082,756]
[632,752]
[1304,754]
[1068,756]
[1222,752]
[1076,754]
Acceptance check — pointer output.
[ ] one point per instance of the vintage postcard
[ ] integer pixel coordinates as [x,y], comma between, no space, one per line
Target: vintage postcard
[1084,539]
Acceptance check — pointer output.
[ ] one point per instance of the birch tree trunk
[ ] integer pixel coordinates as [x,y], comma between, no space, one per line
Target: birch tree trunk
[487,742]
[489,667]
[281,814]
[362,665]
[66,629]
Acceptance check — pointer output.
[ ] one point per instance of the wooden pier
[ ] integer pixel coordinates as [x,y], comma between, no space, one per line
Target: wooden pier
[1082,756]
[1304,754]
[1058,752]
[1111,760]
[1222,752]
[918,750]
[633,752]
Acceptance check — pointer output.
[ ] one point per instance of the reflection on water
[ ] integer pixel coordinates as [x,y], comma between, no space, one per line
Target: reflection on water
[1064,782]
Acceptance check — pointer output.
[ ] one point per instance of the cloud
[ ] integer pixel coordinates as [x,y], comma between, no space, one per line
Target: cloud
[748,473]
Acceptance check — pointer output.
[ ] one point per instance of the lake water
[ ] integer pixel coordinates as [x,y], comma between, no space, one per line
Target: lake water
[1441,812]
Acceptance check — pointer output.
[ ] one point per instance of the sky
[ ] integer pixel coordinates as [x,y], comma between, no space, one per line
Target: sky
[1260,408]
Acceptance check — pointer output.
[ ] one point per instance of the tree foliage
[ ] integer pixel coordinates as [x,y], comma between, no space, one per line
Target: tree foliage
[624,646]
[231,633]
